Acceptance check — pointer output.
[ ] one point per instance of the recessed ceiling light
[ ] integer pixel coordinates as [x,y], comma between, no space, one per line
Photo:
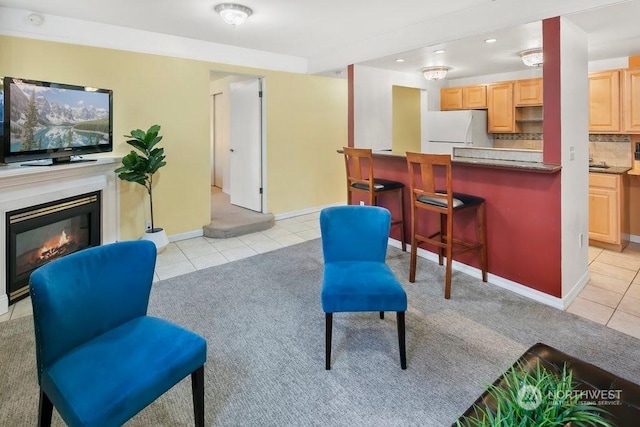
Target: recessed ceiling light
[439,51]
[491,40]
[399,60]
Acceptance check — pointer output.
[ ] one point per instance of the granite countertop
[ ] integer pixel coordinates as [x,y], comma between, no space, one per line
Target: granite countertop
[492,163]
[613,170]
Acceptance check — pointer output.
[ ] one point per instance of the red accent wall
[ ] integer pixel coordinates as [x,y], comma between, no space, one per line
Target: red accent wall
[350,106]
[551,91]
[523,221]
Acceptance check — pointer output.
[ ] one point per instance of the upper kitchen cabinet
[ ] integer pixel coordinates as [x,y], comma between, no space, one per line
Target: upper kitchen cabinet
[500,108]
[474,97]
[631,100]
[528,92]
[451,98]
[463,98]
[604,102]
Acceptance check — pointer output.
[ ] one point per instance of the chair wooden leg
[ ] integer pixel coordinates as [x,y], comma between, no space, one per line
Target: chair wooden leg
[402,239]
[45,410]
[382,314]
[414,245]
[197,389]
[449,239]
[401,339]
[328,326]
[443,238]
[482,235]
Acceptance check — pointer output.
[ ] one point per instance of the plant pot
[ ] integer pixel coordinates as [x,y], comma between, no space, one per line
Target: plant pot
[158,236]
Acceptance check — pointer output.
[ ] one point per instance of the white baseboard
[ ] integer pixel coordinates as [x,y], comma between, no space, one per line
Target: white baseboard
[577,288]
[634,239]
[497,280]
[4,304]
[305,211]
[185,236]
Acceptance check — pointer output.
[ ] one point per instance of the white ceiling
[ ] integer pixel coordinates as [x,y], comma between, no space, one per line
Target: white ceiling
[331,34]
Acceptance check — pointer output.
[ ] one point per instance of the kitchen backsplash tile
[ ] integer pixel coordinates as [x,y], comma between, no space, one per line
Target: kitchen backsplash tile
[596,137]
[615,150]
[516,136]
[520,141]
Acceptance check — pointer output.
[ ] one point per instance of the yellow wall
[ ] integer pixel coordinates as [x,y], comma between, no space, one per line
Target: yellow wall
[306,125]
[406,119]
[305,122]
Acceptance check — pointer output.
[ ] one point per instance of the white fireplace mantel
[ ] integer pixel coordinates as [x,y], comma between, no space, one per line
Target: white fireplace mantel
[22,187]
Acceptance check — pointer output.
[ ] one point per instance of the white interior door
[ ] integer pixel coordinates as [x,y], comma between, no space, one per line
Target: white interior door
[245,144]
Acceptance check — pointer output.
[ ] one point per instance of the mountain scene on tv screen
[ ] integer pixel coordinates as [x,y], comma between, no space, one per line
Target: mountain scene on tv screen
[44,118]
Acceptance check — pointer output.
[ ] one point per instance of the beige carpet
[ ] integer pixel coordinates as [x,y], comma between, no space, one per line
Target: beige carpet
[228,220]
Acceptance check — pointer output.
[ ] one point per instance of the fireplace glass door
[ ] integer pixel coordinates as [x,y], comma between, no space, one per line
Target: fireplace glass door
[43,233]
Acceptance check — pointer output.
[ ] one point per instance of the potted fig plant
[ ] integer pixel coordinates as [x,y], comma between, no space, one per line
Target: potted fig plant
[140,168]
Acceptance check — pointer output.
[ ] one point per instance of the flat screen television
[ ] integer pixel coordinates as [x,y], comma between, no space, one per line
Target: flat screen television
[51,123]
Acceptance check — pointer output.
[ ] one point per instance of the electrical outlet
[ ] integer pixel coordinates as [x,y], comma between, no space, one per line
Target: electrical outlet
[147,224]
[361,203]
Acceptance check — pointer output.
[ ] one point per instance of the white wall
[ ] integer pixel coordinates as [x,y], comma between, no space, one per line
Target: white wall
[374,103]
[608,64]
[527,73]
[574,113]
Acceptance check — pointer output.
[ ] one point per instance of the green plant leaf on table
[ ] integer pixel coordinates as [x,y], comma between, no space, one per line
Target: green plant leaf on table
[555,403]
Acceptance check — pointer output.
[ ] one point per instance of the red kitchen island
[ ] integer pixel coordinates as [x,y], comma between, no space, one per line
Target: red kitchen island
[523,217]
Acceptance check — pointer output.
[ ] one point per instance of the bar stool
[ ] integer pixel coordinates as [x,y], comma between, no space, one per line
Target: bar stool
[359,167]
[445,202]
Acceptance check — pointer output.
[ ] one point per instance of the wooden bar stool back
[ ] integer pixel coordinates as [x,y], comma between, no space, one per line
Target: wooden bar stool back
[360,179]
[425,195]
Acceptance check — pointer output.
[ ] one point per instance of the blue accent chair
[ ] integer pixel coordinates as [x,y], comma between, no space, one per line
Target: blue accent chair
[356,277]
[100,358]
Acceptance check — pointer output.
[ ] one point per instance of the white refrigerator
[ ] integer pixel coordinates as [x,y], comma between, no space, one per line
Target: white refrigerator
[459,128]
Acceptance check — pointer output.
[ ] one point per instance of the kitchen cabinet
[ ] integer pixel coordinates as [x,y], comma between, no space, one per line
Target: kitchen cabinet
[528,92]
[463,98]
[474,97]
[500,108]
[608,210]
[451,98]
[604,102]
[631,100]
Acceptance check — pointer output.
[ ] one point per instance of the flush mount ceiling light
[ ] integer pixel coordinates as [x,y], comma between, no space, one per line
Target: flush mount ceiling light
[233,14]
[435,73]
[532,57]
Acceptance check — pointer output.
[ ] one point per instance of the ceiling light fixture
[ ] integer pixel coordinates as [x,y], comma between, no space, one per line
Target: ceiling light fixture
[232,13]
[532,57]
[439,51]
[399,60]
[435,73]
[491,40]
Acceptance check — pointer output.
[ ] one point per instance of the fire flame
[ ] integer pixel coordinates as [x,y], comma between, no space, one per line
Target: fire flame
[50,248]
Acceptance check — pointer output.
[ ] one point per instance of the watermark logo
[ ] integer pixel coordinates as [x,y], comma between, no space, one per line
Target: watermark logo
[529,397]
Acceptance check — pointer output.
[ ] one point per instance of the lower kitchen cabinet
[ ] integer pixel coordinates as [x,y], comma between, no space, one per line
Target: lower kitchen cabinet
[609,210]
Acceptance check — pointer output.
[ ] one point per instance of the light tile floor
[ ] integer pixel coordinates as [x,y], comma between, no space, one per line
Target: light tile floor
[612,296]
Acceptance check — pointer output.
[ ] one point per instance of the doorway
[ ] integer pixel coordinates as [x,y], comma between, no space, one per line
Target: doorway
[237,139]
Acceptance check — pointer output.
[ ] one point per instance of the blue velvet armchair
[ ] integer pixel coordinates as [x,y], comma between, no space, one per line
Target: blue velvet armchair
[356,276]
[100,358]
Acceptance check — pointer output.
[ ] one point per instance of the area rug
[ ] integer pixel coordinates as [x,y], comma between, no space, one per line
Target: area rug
[264,326]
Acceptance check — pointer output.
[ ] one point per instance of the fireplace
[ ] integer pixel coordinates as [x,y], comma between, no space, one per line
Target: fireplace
[39,234]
